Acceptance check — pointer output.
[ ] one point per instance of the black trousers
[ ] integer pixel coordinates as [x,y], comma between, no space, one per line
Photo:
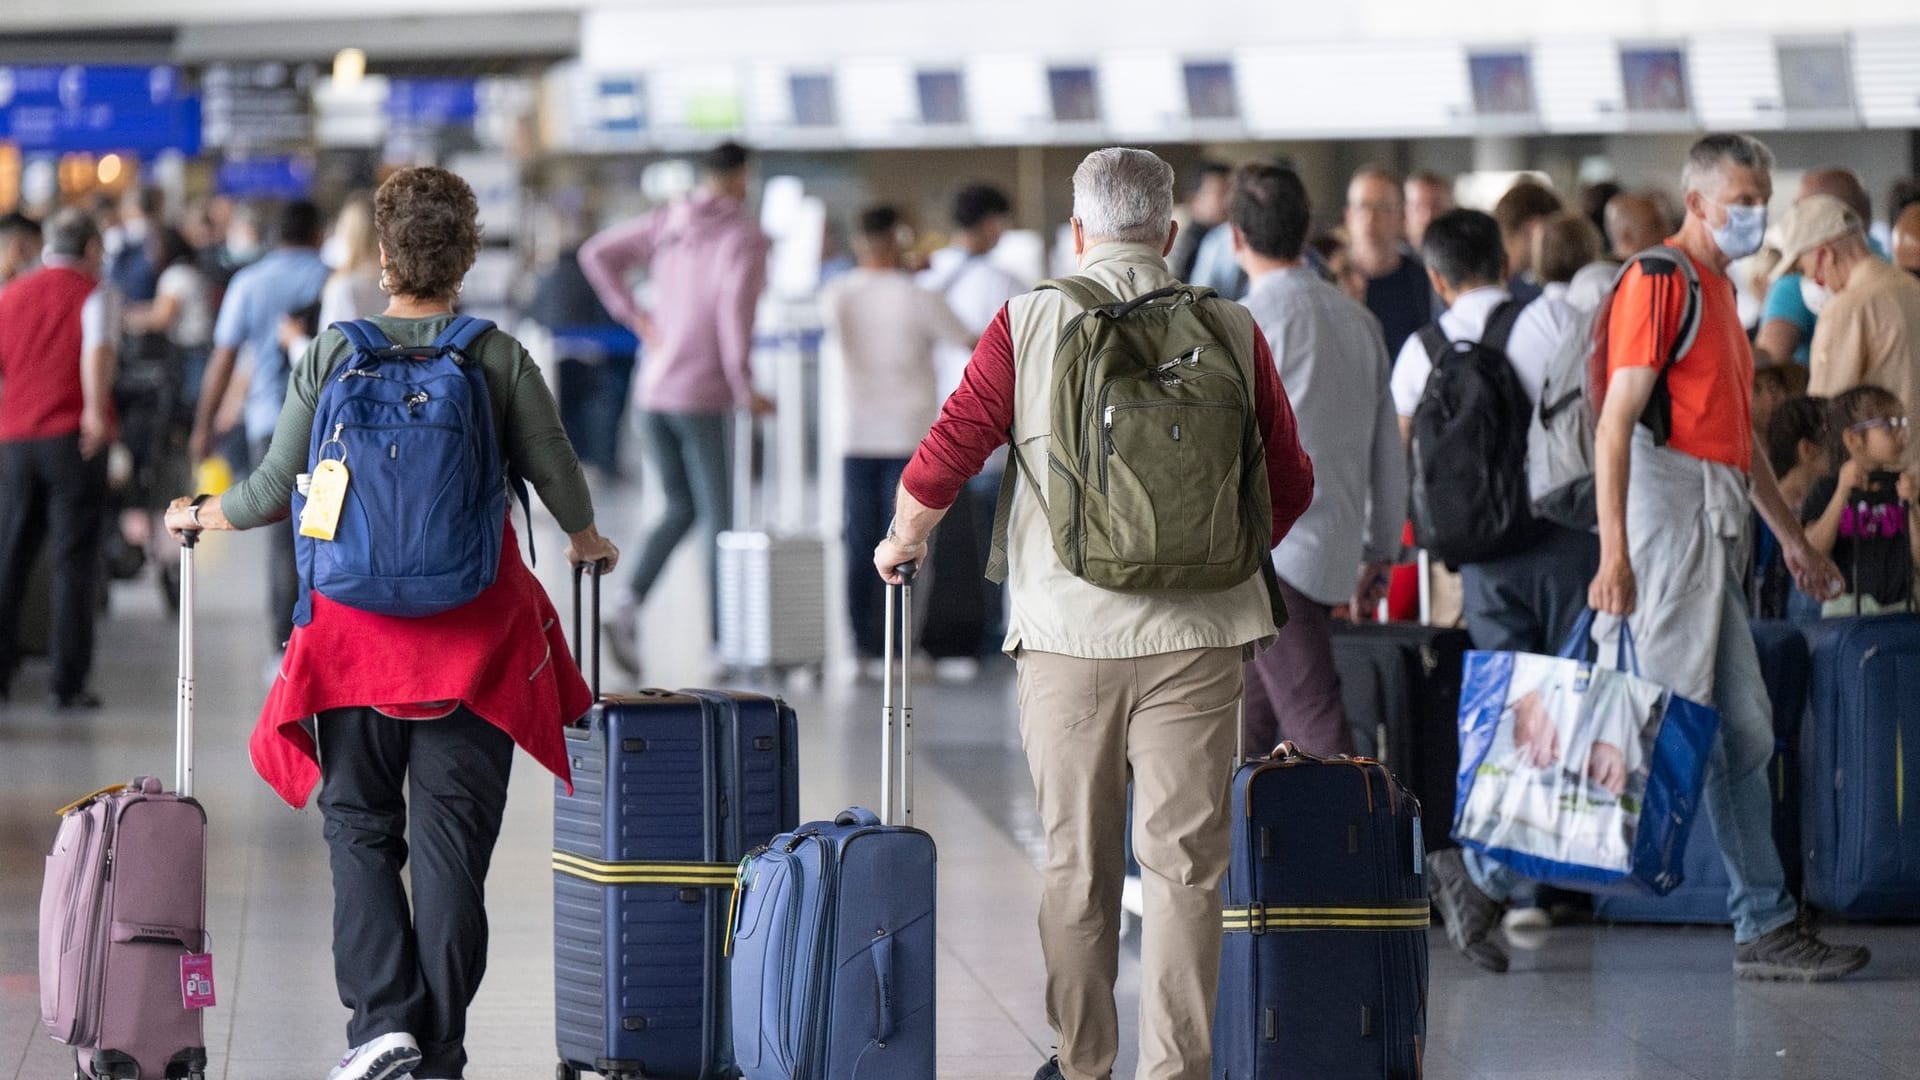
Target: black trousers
[399,969]
[48,491]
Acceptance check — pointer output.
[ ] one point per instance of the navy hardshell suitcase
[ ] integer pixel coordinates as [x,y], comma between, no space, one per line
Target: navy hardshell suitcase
[1860,756]
[1323,972]
[833,944]
[1786,666]
[670,789]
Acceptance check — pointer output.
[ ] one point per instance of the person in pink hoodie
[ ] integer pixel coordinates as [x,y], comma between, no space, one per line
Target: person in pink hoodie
[706,261]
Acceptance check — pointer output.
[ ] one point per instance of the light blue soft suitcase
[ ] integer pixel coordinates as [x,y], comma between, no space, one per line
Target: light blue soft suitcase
[833,944]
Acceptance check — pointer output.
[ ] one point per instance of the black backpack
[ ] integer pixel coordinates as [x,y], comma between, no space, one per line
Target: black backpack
[1470,498]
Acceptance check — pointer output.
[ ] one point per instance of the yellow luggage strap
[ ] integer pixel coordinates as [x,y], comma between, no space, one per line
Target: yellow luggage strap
[1268,919]
[686,875]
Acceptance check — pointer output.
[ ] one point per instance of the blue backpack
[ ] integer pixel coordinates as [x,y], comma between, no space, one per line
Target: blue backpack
[421,527]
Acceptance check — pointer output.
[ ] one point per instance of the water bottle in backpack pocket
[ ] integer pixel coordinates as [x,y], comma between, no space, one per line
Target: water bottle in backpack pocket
[404,508]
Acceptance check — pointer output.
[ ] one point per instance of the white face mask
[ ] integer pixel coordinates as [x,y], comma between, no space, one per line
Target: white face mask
[1744,231]
[1814,294]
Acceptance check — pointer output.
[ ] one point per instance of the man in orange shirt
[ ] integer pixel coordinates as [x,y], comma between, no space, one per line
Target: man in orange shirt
[1674,577]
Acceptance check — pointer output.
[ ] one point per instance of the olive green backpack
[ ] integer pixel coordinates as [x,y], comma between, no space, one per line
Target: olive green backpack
[1156,477]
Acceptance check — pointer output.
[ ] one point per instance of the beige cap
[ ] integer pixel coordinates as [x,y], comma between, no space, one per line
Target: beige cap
[1814,220]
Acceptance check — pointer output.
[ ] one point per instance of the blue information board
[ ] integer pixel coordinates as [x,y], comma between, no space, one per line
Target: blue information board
[96,109]
[432,102]
[276,177]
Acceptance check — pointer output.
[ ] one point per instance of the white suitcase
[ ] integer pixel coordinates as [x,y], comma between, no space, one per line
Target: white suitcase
[771,580]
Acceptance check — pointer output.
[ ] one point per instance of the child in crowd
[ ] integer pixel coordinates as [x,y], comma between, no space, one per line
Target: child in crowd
[1800,447]
[1865,517]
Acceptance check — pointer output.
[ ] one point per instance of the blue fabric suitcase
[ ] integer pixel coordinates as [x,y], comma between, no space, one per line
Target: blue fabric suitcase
[1860,754]
[833,943]
[1786,666]
[670,790]
[1323,972]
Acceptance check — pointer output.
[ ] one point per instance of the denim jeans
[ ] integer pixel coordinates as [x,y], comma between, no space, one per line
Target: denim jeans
[689,451]
[869,497]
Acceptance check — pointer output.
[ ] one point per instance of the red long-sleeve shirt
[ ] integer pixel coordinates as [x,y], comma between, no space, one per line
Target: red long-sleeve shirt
[976,418]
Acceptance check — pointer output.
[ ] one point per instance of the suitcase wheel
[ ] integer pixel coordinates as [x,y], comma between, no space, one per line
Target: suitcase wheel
[564,1071]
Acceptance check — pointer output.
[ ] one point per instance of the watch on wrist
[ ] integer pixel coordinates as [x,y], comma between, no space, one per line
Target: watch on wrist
[193,509]
[901,542]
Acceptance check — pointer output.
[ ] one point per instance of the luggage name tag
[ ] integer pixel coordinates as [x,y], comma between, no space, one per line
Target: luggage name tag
[196,981]
[326,493]
[1419,848]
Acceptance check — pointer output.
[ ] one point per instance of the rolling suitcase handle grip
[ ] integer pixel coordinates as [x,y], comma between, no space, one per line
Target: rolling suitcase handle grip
[896,712]
[579,637]
[183,701]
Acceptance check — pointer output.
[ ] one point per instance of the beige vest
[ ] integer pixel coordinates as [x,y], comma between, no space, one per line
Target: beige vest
[1051,610]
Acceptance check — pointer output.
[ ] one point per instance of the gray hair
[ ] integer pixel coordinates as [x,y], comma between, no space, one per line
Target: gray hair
[1715,152]
[69,233]
[1123,194]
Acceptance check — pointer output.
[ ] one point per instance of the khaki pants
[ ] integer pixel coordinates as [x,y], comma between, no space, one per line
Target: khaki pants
[1168,721]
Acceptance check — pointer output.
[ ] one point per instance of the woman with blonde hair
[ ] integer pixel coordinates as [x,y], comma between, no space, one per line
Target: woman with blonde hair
[354,291]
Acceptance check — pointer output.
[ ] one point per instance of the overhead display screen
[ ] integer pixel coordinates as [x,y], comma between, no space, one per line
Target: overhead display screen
[943,96]
[1654,80]
[1211,91]
[1502,83]
[1075,93]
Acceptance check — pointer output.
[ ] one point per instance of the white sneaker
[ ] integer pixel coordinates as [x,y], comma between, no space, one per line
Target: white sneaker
[1133,897]
[389,1057]
[620,633]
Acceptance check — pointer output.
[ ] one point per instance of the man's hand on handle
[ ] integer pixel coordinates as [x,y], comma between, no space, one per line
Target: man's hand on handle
[1613,591]
[1813,573]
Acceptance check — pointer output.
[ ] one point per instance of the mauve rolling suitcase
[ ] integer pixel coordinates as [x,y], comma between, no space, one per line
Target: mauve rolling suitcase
[1702,896]
[1860,758]
[122,907]
[1323,972]
[670,789]
[833,944]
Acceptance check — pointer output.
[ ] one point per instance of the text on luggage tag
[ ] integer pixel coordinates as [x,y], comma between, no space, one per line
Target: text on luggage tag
[196,981]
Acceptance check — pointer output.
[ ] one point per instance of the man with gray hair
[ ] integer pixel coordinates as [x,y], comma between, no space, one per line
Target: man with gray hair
[1674,473]
[1117,682]
[57,332]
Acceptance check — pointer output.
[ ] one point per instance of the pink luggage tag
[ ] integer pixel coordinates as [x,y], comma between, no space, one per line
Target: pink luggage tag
[196,980]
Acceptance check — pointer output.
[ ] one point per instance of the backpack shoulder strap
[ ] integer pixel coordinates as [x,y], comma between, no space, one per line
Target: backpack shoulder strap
[1435,341]
[363,335]
[1084,291]
[1500,324]
[461,333]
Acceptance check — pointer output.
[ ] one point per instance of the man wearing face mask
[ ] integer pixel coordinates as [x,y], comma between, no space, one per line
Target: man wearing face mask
[1676,465]
[1869,329]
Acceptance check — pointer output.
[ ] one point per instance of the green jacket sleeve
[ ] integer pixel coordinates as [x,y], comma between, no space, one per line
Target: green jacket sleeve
[266,495]
[538,449]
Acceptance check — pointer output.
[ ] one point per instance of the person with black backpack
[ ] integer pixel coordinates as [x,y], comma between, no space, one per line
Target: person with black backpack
[1466,387]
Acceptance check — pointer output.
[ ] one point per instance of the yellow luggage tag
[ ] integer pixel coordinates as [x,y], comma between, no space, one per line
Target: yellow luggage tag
[326,493]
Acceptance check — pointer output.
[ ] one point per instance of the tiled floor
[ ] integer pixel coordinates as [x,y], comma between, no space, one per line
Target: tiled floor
[1590,1003]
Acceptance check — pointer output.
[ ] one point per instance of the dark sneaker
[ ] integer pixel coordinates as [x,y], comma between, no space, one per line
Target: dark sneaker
[1050,1071]
[78,699]
[1470,914]
[1794,953]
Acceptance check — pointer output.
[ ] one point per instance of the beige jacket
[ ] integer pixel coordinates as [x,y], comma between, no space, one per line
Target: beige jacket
[1870,333]
[1051,610]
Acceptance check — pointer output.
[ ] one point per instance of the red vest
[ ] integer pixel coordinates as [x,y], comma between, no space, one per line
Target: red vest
[40,342]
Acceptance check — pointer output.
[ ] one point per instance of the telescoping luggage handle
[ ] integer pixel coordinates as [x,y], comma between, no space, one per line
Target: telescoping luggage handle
[183,702]
[896,703]
[579,639]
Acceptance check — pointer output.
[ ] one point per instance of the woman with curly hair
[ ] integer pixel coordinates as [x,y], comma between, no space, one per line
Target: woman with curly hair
[417,715]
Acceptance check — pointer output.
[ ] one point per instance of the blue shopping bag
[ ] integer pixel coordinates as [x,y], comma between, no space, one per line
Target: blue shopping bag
[1578,774]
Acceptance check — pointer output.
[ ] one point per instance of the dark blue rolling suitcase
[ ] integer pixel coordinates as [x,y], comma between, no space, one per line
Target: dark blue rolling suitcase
[670,789]
[1702,897]
[833,943]
[1323,972]
[1860,756]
